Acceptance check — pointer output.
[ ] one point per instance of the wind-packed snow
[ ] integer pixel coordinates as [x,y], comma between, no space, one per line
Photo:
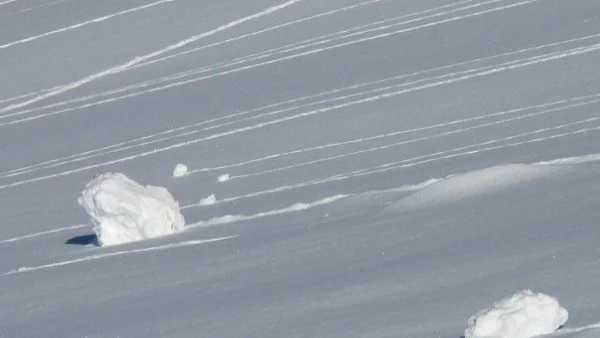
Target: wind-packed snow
[524,315]
[355,168]
[124,211]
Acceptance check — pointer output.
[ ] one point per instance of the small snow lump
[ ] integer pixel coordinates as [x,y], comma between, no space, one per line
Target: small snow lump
[180,170]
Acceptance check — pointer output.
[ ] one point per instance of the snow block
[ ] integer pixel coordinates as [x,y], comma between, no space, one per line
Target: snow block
[523,315]
[123,211]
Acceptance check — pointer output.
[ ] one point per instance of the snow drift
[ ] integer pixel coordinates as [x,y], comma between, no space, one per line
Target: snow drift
[123,211]
[523,315]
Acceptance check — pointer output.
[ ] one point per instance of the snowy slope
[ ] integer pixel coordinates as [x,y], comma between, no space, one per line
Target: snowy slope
[393,166]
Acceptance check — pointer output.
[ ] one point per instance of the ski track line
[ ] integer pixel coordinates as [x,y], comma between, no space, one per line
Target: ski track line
[122,67]
[396,133]
[537,60]
[415,161]
[31,9]
[37,234]
[99,150]
[227,63]
[292,208]
[148,139]
[564,331]
[82,24]
[175,76]
[234,70]
[416,140]
[114,254]
[123,145]
[343,9]
[7,2]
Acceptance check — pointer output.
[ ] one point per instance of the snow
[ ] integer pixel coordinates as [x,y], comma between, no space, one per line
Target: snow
[468,185]
[393,165]
[223,178]
[523,315]
[209,200]
[123,211]
[180,170]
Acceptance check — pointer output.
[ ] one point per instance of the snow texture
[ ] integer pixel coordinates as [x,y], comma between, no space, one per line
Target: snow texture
[523,315]
[123,211]
[180,170]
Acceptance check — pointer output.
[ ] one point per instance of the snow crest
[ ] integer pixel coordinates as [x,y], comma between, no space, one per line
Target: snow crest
[123,211]
[523,315]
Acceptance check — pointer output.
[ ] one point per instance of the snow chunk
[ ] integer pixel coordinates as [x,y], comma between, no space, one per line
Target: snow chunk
[123,211]
[523,315]
[210,200]
[180,170]
[223,178]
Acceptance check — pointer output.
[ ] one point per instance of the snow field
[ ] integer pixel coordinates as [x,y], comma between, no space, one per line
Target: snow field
[123,211]
[524,315]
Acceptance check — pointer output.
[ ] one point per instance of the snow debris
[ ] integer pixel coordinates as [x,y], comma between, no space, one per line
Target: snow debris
[180,170]
[223,178]
[123,211]
[523,315]
[210,200]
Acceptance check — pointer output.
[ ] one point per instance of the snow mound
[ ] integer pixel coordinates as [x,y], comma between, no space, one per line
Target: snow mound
[180,170]
[123,211]
[478,182]
[523,315]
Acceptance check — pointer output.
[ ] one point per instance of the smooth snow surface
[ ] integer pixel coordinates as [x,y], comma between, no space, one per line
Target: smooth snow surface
[355,168]
[180,170]
[123,211]
[523,315]
[460,186]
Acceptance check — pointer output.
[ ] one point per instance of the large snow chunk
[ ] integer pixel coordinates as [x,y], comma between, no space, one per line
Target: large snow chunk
[123,211]
[523,315]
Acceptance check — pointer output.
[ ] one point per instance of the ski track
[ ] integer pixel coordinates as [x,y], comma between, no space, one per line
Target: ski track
[114,254]
[21,11]
[7,2]
[437,81]
[415,140]
[83,24]
[122,67]
[132,143]
[292,208]
[247,59]
[419,160]
[43,233]
[287,24]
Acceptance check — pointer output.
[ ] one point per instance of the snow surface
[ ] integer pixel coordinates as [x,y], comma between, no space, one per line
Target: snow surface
[124,211]
[524,315]
[393,165]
